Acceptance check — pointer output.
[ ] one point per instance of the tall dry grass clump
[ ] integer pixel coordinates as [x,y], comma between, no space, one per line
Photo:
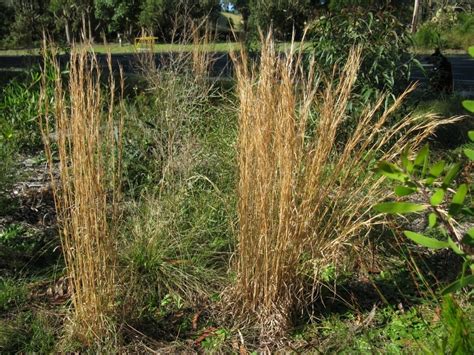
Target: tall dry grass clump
[87,145]
[302,194]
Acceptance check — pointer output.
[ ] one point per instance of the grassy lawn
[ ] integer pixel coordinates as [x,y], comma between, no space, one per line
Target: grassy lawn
[114,48]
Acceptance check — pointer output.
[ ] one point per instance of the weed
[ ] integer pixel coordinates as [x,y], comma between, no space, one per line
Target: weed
[28,332]
[12,294]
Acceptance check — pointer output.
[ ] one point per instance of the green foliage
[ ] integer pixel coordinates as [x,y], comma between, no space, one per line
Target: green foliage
[28,332]
[30,18]
[159,16]
[469,104]
[19,112]
[450,31]
[118,15]
[471,53]
[386,62]
[429,36]
[458,337]
[12,294]
[6,17]
[283,17]
[214,342]
[399,207]
[19,102]
[339,5]
[447,205]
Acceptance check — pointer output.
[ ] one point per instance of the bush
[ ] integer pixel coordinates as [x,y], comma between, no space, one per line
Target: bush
[385,62]
[428,36]
[19,111]
[453,33]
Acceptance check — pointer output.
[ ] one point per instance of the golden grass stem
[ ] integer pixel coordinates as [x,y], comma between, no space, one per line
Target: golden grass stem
[87,188]
[303,195]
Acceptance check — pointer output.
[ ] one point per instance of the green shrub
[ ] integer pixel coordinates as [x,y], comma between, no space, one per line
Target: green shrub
[454,33]
[462,33]
[28,332]
[386,61]
[447,204]
[19,105]
[458,326]
[428,36]
[12,294]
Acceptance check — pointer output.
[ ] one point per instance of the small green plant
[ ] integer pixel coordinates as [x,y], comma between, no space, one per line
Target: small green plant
[458,337]
[432,186]
[216,341]
[28,332]
[12,293]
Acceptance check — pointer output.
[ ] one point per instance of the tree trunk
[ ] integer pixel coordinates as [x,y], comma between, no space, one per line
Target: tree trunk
[414,21]
[89,24]
[68,34]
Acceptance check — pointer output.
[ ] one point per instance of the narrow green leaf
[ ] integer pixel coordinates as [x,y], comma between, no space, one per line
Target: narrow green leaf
[399,207]
[422,155]
[470,232]
[469,153]
[458,199]
[459,284]
[401,190]
[460,194]
[406,162]
[452,172]
[470,134]
[454,247]
[468,105]
[437,169]
[391,171]
[467,211]
[426,241]
[432,220]
[469,238]
[437,197]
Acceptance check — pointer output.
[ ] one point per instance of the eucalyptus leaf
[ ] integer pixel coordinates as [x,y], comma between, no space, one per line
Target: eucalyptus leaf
[437,197]
[460,194]
[454,247]
[391,171]
[426,241]
[437,169]
[432,219]
[422,156]
[406,162]
[399,207]
[470,134]
[401,190]
[470,232]
[451,174]
[468,105]
[469,153]
[468,238]
[459,284]
[470,50]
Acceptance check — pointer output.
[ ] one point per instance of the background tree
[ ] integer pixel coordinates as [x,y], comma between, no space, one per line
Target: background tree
[7,16]
[169,18]
[30,19]
[282,16]
[118,16]
[63,11]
